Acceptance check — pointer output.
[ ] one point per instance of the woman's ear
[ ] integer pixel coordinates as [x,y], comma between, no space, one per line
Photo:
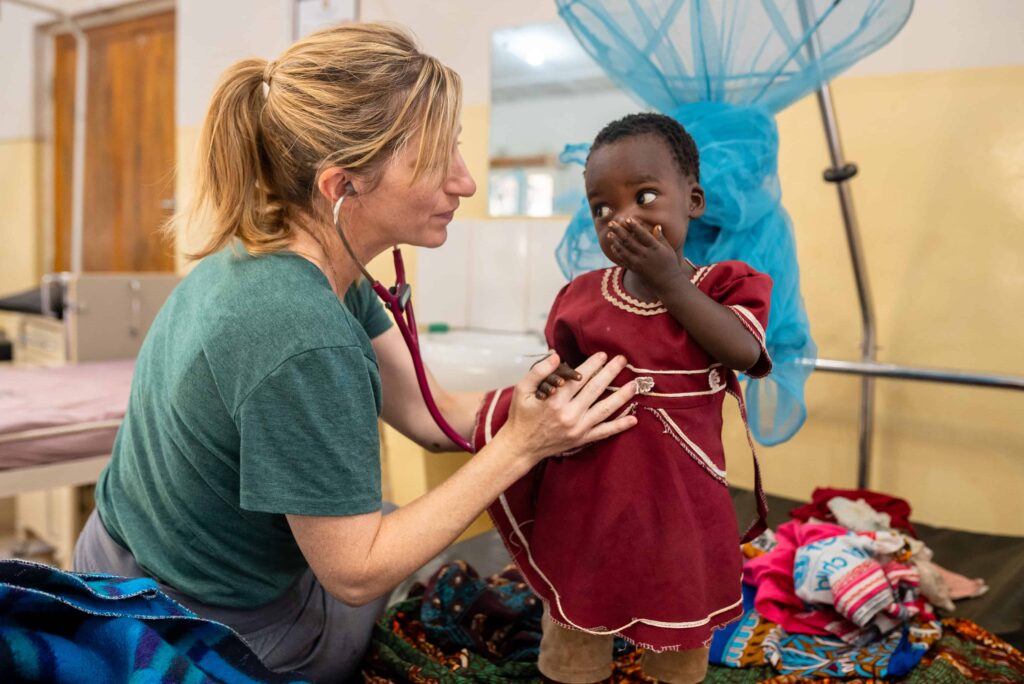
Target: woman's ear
[696,201]
[334,182]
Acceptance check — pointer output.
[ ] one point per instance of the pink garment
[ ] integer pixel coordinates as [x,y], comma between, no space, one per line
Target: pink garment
[961,587]
[772,574]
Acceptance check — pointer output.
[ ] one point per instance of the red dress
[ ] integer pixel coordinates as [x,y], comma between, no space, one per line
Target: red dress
[636,535]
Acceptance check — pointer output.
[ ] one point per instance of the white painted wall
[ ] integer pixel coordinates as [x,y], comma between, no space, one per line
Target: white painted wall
[214,35]
[527,127]
[952,34]
[17,68]
[458,32]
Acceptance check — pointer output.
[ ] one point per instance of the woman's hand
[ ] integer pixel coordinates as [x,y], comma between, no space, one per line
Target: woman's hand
[572,417]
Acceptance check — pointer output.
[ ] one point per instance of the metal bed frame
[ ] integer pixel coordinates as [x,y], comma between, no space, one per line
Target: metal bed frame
[868,367]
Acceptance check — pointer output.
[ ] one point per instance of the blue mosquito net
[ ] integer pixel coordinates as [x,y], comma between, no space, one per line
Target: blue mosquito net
[722,68]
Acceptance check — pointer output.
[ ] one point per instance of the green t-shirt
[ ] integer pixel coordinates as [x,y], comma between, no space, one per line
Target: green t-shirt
[255,394]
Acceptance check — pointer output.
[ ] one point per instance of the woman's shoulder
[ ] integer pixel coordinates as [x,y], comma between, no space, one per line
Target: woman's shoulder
[278,304]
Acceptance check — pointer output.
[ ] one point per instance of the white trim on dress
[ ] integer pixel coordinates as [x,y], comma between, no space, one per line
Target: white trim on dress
[714,390]
[616,294]
[695,450]
[750,317]
[648,371]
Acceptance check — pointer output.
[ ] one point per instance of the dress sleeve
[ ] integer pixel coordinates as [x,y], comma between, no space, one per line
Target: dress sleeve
[747,293]
[560,333]
[308,436]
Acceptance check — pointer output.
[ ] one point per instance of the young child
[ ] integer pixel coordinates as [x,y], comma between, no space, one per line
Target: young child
[636,536]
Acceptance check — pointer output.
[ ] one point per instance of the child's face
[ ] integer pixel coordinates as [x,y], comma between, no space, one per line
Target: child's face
[637,177]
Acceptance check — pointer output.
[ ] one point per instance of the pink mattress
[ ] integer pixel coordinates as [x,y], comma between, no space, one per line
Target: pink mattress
[85,402]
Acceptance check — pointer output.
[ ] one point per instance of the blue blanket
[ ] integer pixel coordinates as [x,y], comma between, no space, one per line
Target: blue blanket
[66,627]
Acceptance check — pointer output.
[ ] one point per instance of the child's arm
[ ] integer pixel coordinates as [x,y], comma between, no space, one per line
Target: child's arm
[715,328]
[560,337]
[555,380]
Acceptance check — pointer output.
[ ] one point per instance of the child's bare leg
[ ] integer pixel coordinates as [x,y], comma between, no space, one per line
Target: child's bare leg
[572,657]
[677,667]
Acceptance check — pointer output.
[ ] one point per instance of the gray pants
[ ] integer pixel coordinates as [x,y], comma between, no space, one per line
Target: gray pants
[306,629]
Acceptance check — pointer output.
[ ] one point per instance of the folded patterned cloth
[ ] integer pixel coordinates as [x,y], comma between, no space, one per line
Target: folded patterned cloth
[964,653]
[891,656]
[461,628]
[498,618]
[740,644]
[854,581]
[59,626]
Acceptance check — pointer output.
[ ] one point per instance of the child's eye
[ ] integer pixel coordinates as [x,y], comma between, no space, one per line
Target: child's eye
[646,197]
[603,211]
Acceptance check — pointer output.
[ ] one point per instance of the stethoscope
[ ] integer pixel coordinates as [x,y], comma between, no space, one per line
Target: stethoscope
[398,299]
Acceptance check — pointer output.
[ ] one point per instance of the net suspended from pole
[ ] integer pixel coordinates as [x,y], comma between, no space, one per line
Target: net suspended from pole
[723,68]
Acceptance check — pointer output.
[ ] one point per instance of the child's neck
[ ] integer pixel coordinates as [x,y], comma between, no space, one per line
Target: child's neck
[637,287]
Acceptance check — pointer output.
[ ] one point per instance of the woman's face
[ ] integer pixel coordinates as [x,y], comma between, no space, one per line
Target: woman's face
[400,211]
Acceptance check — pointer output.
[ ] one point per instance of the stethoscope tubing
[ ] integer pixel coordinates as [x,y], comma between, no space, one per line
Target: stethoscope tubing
[399,302]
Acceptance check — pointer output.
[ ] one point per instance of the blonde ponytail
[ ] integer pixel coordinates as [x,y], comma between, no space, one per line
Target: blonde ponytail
[350,96]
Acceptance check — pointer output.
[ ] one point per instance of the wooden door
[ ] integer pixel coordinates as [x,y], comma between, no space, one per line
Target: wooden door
[129,148]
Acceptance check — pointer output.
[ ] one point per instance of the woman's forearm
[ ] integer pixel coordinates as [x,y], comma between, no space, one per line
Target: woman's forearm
[459,408]
[408,538]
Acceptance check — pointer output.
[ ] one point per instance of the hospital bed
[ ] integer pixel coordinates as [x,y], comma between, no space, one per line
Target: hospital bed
[63,398]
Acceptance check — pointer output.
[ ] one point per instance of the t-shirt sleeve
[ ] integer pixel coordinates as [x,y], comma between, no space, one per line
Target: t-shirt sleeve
[747,293]
[364,305]
[308,437]
[560,333]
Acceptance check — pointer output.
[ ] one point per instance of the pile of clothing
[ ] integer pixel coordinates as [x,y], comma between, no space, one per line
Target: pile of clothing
[845,589]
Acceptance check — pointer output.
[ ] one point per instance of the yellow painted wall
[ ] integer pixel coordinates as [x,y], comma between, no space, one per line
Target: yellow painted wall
[20,246]
[185,153]
[940,202]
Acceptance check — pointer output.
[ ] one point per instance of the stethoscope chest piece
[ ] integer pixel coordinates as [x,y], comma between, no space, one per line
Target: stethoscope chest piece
[402,292]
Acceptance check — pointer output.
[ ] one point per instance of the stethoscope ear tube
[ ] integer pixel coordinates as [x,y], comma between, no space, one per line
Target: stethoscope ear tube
[399,300]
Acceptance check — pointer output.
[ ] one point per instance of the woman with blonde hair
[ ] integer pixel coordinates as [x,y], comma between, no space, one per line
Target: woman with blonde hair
[246,475]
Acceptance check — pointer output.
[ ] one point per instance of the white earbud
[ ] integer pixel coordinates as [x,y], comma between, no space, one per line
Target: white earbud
[349,190]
